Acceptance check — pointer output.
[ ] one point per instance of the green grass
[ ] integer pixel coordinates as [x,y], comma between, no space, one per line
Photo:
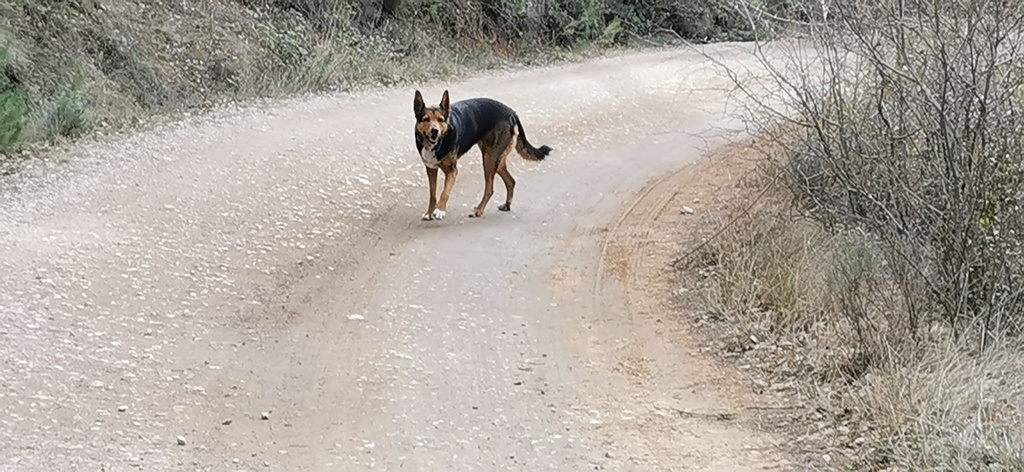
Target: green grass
[13,116]
[13,108]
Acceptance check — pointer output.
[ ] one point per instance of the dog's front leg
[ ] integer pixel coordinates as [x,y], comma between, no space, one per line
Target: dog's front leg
[451,172]
[432,206]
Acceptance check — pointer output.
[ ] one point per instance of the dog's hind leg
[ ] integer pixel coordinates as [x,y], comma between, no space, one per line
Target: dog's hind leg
[490,168]
[506,177]
[510,185]
[495,147]
[432,206]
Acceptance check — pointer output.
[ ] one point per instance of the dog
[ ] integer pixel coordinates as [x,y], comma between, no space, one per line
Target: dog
[446,132]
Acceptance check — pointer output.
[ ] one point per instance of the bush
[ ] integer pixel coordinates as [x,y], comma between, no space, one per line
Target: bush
[13,115]
[13,109]
[911,131]
[816,309]
[902,152]
[64,115]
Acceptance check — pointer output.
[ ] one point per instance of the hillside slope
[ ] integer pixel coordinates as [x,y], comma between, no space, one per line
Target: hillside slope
[71,67]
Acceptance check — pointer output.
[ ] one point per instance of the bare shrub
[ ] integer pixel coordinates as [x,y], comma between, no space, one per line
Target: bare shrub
[817,309]
[910,130]
[902,147]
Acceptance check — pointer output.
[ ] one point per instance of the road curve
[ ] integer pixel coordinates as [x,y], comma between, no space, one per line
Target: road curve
[254,290]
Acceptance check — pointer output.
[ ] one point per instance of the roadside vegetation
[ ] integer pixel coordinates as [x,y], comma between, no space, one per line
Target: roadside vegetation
[875,263]
[68,68]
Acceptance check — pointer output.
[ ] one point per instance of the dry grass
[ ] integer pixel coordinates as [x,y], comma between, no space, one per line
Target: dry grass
[881,274]
[950,410]
[816,313]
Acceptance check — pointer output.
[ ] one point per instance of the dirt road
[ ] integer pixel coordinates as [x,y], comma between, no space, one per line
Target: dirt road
[257,285]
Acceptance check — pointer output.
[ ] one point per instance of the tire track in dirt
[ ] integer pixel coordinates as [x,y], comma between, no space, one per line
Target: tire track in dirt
[690,412]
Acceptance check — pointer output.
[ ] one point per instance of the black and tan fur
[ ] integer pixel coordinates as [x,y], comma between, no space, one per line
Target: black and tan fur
[446,132]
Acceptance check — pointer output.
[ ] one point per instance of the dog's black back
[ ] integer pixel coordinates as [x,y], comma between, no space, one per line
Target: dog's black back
[473,118]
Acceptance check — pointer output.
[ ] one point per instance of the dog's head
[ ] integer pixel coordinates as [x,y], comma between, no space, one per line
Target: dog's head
[431,122]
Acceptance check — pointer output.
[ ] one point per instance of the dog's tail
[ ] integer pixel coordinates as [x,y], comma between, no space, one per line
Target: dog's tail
[524,148]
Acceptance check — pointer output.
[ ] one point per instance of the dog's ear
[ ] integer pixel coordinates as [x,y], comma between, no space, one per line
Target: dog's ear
[418,107]
[445,104]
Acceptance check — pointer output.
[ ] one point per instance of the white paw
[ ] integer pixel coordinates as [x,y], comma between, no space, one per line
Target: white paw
[438,214]
[426,217]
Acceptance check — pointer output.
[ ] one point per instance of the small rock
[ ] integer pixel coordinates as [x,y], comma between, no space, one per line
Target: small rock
[686,210]
[235,461]
[182,441]
[122,408]
[356,317]
[226,422]
[266,464]
[827,458]
[696,200]
[264,415]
